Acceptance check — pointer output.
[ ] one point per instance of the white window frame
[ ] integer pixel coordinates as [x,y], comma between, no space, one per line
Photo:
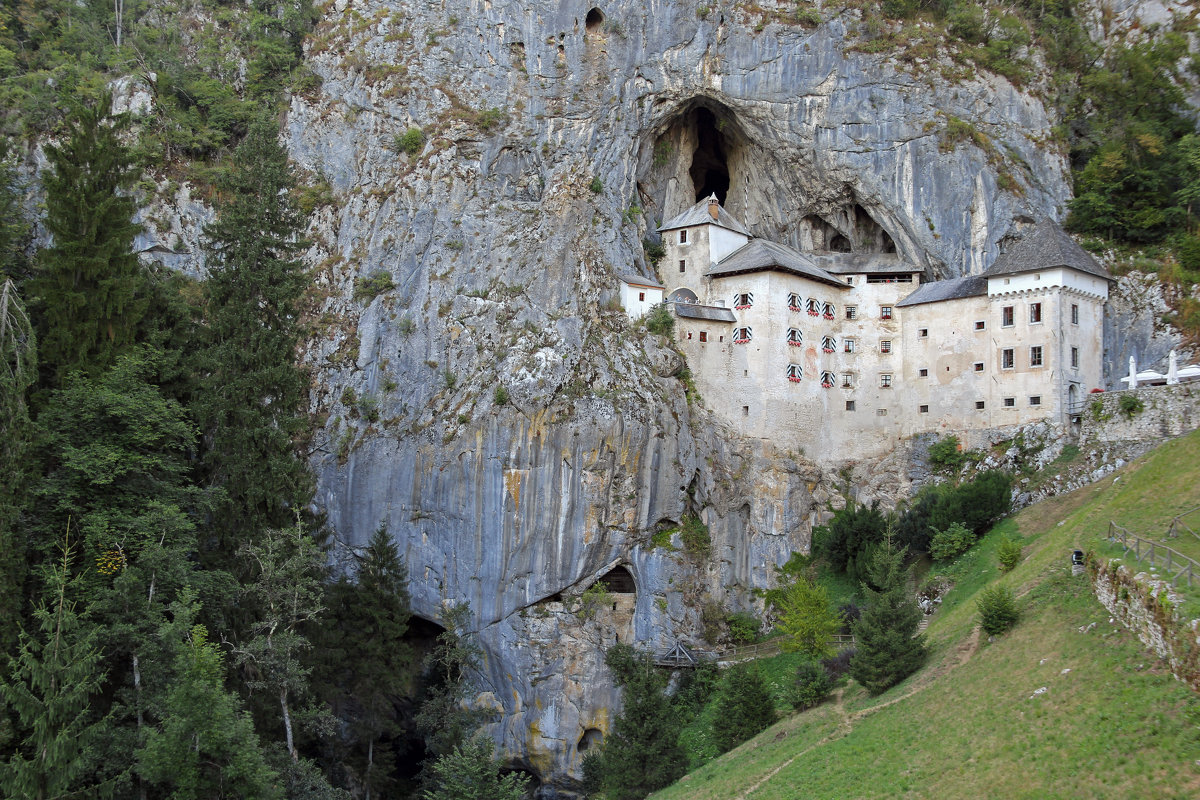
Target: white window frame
[1008,358]
[886,312]
[885,380]
[885,346]
[683,236]
[849,344]
[1074,358]
[851,312]
[1008,316]
[743,335]
[1035,310]
[1074,313]
[1037,357]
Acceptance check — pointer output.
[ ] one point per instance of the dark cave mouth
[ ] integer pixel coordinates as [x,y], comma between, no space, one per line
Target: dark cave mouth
[709,170]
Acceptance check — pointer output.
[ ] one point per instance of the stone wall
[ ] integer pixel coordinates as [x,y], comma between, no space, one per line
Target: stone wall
[1166,411]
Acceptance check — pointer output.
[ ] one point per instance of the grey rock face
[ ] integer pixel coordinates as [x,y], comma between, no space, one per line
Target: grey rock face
[514,432]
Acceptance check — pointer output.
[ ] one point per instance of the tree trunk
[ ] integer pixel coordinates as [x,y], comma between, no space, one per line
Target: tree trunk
[287,725]
[370,762]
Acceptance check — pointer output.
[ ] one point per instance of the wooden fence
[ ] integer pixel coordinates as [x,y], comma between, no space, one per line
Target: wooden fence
[1176,564]
[746,652]
[1178,525]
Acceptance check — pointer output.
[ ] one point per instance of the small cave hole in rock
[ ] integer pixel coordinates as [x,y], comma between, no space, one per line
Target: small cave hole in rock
[839,244]
[534,784]
[710,168]
[619,581]
[593,21]
[592,737]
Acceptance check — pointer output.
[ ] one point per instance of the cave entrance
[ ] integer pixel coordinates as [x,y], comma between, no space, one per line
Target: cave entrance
[593,21]
[592,737]
[619,581]
[710,167]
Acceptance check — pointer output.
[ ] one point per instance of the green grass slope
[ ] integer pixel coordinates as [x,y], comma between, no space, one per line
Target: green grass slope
[1052,709]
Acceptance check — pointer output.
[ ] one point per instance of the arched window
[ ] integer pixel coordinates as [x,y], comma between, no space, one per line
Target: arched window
[682,295]
[742,335]
[618,581]
[795,337]
[814,307]
[827,380]
[795,302]
[795,373]
[828,311]
[743,300]
[828,344]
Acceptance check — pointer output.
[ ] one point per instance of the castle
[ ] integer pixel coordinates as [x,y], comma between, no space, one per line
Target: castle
[842,354]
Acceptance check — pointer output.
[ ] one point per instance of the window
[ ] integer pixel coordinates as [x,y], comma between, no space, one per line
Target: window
[978,366]
[1007,358]
[814,307]
[922,333]
[683,236]
[885,345]
[923,409]
[1006,317]
[847,381]
[979,404]
[851,312]
[890,278]
[1075,357]
[885,380]
[923,373]
[849,405]
[795,303]
[1074,313]
[980,325]
[641,297]
[795,337]
[828,344]
[743,300]
[827,380]
[704,336]
[689,334]
[828,311]
[745,411]
[682,265]
[1035,356]
[795,373]
[1010,402]
[885,312]
[1035,313]
[881,412]
[848,345]
[742,335]
[1035,400]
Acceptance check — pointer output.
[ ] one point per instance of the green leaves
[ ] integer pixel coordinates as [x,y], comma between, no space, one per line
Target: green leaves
[808,619]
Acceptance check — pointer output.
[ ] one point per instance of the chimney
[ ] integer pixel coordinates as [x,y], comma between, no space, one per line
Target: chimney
[713,206]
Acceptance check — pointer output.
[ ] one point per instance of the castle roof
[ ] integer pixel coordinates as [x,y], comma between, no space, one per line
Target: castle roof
[1045,247]
[861,263]
[699,215]
[698,311]
[638,280]
[759,254]
[952,289]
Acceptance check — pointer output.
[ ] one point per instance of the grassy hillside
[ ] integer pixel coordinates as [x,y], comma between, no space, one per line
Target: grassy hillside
[1044,711]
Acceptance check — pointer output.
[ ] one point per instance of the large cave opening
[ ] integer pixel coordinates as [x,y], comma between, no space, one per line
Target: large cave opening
[710,162]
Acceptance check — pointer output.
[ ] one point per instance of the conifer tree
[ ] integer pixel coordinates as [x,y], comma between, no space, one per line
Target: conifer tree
[888,647]
[18,369]
[744,708]
[50,685]
[471,772]
[250,398]
[89,288]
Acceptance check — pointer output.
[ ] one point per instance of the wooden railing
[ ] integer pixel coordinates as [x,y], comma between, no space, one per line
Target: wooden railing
[1158,554]
[746,652]
[1177,525]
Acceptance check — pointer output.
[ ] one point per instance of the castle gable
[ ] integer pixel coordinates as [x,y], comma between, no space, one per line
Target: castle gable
[702,214]
[760,255]
[1046,247]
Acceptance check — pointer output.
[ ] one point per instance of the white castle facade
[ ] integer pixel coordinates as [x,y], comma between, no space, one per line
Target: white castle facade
[840,355]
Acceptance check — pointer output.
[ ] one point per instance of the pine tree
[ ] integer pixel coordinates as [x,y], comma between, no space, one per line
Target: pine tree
[18,369]
[744,708]
[250,400]
[642,754]
[52,680]
[206,748]
[366,634]
[470,772]
[89,288]
[888,647]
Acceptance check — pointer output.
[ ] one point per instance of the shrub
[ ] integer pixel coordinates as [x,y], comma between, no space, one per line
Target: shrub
[997,610]
[597,186]
[743,627]
[695,536]
[593,599]
[1131,406]
[490,118]
[654,251]
[813,684]
[838,665]
[1009,553]
[410,142]
[368,406]
[660,320]
[946,454]
[948,544]
[500,396]
[370,286]
[744,707]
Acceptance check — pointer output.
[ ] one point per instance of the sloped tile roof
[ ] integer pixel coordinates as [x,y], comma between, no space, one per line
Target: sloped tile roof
[638,280]
[861,263]
[759,254]
[953,289]
[698,215]
[1045,247]
[697,311]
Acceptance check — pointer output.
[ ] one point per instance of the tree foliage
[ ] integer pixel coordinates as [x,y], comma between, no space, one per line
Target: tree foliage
[848,541]
[471,772]
[888,646]
[744,707]
[808,619]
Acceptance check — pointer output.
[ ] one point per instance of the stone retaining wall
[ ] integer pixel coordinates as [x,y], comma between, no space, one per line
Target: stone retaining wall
[1166,411]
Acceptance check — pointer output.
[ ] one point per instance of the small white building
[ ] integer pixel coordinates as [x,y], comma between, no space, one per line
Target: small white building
[843,354]
[639,295]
